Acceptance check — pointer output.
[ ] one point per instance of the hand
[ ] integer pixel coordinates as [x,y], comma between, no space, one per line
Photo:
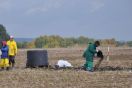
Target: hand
[15,54]
[97,50]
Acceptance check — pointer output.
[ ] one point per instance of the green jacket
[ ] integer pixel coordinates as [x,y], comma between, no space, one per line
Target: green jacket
[89,52]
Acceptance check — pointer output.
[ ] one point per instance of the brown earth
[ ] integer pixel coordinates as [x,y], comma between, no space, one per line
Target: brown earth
[115,73]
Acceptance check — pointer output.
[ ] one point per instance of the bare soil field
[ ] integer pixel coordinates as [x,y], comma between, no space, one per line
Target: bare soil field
[115,73]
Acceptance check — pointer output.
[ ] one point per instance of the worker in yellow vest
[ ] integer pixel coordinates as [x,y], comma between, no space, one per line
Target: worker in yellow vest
[12,51]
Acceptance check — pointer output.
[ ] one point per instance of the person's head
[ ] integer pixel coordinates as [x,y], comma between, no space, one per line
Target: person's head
[97,43]
[4,43]
[11,38]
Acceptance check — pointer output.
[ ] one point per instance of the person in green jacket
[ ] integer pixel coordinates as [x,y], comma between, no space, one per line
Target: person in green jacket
[89,55]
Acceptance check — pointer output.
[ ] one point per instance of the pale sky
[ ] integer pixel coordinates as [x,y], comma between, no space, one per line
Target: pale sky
[99,19]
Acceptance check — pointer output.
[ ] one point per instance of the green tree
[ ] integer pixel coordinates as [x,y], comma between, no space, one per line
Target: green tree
[22,44]
[121,43]
[30,44]
[82,40]
[129,43]
[109,42]
[3,34]
[57,41]
[39,42]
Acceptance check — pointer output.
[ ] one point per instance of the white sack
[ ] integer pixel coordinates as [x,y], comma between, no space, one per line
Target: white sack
[64,63]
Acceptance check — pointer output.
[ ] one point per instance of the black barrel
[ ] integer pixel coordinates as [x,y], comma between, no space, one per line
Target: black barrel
[37,58]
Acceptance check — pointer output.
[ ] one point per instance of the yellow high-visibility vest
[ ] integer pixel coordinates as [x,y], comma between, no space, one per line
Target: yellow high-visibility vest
[12,47]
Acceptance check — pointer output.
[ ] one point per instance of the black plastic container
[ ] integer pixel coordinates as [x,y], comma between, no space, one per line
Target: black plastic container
[37,58]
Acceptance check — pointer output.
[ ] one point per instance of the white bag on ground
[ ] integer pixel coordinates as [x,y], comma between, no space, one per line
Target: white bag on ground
[63,63]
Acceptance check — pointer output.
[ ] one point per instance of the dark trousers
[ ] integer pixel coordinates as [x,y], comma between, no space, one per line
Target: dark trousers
[11,61]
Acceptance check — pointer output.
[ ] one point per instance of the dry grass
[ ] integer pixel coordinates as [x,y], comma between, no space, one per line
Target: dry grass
[70,78]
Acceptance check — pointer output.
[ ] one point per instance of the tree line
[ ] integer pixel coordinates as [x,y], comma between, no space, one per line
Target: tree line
[55,41]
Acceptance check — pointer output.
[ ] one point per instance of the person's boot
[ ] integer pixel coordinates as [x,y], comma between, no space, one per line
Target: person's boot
[13,66]
[2,68]
[89,69]
[7,68]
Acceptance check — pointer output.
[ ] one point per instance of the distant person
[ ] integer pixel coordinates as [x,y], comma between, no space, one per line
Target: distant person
[89,55]
[12,51]
[4,62]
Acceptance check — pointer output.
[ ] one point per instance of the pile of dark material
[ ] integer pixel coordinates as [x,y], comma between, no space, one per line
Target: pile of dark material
[110,68]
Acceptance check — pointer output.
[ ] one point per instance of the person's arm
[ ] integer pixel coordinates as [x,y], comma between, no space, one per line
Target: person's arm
[92,49]
[15,48]
[84,54]
[8,44]
[4,49]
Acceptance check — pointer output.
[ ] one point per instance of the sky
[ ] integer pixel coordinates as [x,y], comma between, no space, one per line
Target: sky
[99,19]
